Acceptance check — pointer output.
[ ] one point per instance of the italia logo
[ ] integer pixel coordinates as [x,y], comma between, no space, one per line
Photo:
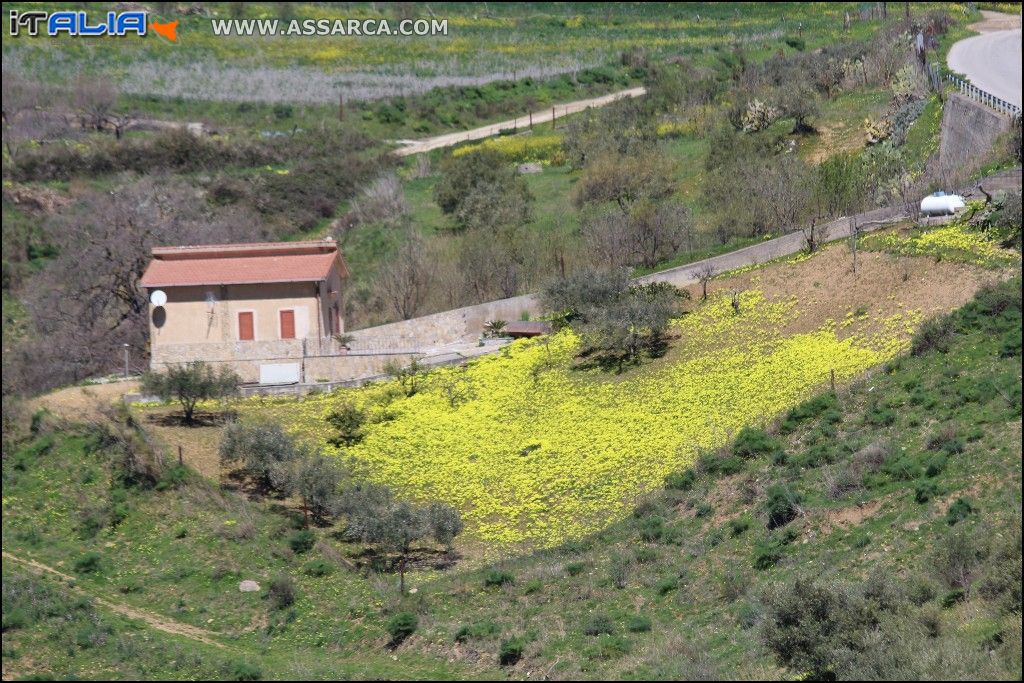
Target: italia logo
[79,24]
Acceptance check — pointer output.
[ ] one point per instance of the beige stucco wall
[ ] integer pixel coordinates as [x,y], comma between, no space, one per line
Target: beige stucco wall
[187,317]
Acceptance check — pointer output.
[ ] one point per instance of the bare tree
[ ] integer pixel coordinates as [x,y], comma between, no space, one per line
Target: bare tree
[811,236]
[405,281]
[94,100]
[26,113]
[854,240]
[705,274]
[86,303]
[659,232]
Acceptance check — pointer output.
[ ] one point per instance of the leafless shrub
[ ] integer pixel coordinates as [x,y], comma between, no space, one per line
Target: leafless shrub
[405,281]
[871,457]
[383,201]
[842,479]
[422,167]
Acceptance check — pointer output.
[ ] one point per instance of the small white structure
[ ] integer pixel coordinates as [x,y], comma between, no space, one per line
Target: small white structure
[942,204]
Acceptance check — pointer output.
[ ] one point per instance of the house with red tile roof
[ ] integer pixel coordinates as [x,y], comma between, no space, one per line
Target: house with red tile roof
[262,308]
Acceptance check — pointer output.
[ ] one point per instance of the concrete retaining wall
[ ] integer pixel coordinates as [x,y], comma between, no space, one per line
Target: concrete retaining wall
[969,129]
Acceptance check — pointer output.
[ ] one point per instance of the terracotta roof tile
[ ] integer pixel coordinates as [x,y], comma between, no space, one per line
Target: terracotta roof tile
[242,264]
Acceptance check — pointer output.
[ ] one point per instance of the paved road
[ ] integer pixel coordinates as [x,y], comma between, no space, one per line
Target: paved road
[992,60]
[539,117]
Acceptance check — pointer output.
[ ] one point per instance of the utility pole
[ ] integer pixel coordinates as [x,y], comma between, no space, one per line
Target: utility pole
[126,361]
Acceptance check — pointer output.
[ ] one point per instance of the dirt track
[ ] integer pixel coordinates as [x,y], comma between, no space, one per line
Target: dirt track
[538,117]
[156,621]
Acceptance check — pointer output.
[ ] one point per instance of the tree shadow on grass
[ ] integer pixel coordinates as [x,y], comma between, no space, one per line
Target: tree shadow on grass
[199,419]
[373,560]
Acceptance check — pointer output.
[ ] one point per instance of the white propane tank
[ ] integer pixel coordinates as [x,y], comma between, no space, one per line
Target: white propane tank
[941,204]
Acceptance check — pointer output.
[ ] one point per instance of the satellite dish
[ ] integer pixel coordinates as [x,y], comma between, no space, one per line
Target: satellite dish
[158,297]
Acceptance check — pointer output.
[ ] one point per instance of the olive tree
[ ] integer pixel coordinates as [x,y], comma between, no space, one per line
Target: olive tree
[265,452]
[615,318]
[482,190]
[315,481]
[375,517]
[191,383]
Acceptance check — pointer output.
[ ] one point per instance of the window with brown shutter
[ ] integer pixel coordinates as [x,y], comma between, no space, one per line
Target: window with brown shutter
[288,324]
[245,326]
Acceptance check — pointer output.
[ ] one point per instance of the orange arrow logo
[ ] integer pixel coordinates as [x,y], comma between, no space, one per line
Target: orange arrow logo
[168,30]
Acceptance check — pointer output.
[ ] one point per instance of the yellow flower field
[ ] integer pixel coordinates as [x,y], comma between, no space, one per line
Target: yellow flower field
[956,242]
[538,452]
[545,149]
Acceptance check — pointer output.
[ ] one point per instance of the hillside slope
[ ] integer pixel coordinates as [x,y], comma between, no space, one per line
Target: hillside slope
[870,533]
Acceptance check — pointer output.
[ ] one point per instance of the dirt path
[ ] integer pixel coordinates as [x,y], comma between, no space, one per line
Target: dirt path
[154,620]
[538,117]
[996,21]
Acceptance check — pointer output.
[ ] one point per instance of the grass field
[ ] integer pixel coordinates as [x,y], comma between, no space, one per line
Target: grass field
[496,42]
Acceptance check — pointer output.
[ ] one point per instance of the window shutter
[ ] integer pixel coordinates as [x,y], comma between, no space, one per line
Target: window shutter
[245,326]
[288,324]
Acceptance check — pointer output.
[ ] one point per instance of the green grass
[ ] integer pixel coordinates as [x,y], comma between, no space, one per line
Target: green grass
[685,602]
[923,135]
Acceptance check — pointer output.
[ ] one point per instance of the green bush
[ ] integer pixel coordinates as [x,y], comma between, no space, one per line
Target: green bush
[607,646]
[737,525]
[666,585]
[720,464]
[925,490]
[783,505]
[243,670]
[651,529]
[952,598]
[14,619]
[880,416]
[319,567]
[933,335]
[638,624]
[597,624]
[172,478]
[575,568]
[645,555]
[281,592]
[499,577]
[301,541]
[752,442]
[680,481]
[770,550]
[402,625]
[348,423]
[811,408]
[88,563]
[960,510]
[510,652]
[903,468]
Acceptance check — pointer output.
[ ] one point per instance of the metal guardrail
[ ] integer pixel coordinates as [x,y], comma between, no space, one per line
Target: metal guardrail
[968,89]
